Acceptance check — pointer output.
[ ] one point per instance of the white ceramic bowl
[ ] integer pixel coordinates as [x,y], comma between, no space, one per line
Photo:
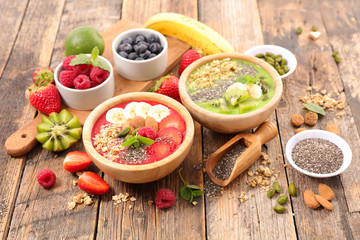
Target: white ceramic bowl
[338,141]
[286,54]
[142,70]
[86,99]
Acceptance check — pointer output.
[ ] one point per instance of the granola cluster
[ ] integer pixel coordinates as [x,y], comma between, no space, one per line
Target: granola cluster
[81,198]
[107,141]
[216,70]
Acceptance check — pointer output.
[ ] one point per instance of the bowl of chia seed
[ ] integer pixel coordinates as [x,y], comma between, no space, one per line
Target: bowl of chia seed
[318,153]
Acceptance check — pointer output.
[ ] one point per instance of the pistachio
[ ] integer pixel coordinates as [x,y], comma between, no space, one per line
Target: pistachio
[271,192]
[279,209]
[123,132]
[276,186]
[282,199]
[292,189]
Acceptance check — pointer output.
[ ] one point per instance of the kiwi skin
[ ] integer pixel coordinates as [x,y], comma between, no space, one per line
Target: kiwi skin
[59,131]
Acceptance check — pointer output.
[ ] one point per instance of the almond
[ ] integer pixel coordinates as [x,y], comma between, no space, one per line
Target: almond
[310,200]
[300,130]
[333,128]
[297,120]
[137,122]
[152,123]
[325,203]
[326,192]
[127,124]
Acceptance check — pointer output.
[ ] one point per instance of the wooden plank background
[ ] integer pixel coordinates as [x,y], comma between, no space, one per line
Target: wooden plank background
[35,37]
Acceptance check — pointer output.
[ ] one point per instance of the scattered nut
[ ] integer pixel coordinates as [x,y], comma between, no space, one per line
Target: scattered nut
[325,203]
[300,130]
[137,122]
[332,128]
[314,35]
[326,192]
[150,202]
[297,120]
[311,118]
[310,200]
[152,123]
[127,124]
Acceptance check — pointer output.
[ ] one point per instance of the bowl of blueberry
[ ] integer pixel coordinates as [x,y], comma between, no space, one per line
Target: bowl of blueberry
[140,54]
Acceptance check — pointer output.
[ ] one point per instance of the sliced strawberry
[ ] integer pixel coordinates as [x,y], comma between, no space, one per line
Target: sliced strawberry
[92,183]
[173,120]
[76,161]
[172,133]
[162,148]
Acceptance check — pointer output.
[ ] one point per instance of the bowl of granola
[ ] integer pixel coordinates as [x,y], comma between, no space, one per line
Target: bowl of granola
[138,138]
[230,92]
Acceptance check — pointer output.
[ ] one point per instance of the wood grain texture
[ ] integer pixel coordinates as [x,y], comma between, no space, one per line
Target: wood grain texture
[344,36]
[30,49]
[316,68]
[144,221]
[227,217]
[41,213]
[11,16]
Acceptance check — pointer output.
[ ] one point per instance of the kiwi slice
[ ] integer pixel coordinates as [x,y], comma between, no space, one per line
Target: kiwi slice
[247,105]
[58,131]
[235,96]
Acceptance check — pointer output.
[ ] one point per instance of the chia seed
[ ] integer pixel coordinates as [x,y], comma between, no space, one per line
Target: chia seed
[317,156]
[225,165]
[132,155]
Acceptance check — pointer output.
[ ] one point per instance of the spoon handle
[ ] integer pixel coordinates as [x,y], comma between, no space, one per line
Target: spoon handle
[266,132]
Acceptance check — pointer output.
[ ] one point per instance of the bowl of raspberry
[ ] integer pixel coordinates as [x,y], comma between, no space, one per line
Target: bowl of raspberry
[138,138]
[140,54]
[84,81]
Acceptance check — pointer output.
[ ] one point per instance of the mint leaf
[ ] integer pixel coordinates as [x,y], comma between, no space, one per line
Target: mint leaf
[193,187]
[97,62]
[185,193]
[80,59]
[315,108]
[129,142]
[95,53]
[145,140]
[197,193]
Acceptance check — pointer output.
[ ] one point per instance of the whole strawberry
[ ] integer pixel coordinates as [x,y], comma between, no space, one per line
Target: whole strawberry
[43,74]
[189,57]
[169,86]
[45,98]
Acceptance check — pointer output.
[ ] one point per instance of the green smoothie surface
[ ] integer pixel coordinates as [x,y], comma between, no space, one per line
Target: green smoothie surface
[230,86]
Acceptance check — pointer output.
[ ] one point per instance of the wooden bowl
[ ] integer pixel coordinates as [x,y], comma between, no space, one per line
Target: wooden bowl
[230,123]
[146,172]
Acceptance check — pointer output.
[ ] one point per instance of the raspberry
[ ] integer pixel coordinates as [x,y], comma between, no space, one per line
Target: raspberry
[67,78]
[67,61]
[82,82]
[46,178]
[147,132]
[93,84]
[83,69]
[164,198]
[98,75]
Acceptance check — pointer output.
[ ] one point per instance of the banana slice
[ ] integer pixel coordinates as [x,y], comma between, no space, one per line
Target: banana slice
[142,109]
[129,110]
[237,86]
[159,112]
[254,91]
[115,115]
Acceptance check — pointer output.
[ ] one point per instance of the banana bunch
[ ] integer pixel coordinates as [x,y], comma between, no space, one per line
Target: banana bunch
[191,31]
[133,109]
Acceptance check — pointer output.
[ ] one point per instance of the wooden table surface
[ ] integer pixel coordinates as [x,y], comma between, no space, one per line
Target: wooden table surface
[32,34]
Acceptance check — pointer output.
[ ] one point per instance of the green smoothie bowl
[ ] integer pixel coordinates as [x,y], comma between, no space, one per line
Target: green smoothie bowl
[230,92]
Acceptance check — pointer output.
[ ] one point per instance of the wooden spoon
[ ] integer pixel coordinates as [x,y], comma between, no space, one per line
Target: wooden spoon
[24,139]
[253,143]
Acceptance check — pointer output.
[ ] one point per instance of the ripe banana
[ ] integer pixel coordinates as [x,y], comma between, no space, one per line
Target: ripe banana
[129,110]
[142,109]
[191,31]
[115,115]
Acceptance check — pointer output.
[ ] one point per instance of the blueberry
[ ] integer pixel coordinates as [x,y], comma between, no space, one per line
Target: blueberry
[133,56]
[128,40]
[140,38]
[152,38]
[155,48]
[152,55]
[138,59]
[145,55]
[123,54]
[146,43]
[126,47]
[141,48]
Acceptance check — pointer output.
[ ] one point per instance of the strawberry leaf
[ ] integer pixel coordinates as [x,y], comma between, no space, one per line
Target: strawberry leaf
[80,59]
